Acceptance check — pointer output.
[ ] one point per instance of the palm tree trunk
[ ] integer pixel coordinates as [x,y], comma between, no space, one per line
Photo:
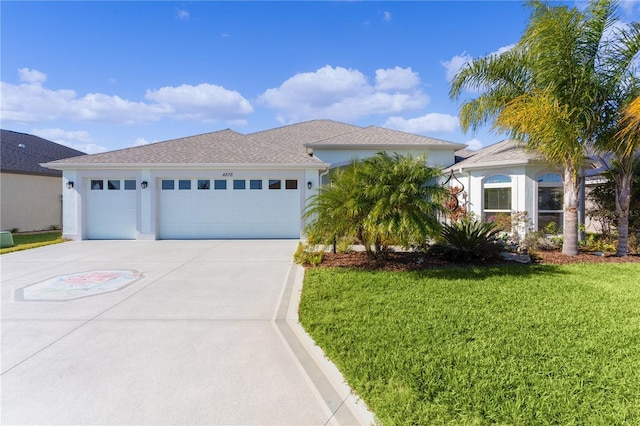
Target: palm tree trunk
[570,229]
[623,201]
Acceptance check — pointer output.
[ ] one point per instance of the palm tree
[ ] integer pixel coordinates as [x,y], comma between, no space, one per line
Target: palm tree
[384,200]
[547,91]
[624,147]
[406,199]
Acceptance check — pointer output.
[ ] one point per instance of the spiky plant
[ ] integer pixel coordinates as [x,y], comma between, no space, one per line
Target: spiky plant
[468,240]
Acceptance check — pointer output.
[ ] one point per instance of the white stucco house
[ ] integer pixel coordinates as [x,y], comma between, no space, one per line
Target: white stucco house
[222,184]
[226,184]
[505,178]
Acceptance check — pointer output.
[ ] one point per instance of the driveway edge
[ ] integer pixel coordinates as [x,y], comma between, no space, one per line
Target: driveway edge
[346,407]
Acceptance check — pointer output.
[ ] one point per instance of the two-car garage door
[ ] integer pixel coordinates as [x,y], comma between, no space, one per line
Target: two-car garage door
[228,208]
[195,208]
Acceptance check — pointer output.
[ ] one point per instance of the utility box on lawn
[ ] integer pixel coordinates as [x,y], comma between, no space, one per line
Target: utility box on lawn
[6,239]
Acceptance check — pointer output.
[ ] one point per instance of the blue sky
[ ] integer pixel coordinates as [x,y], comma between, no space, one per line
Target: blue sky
[100,76]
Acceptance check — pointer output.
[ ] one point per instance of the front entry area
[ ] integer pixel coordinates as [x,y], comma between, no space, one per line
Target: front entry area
[228,208]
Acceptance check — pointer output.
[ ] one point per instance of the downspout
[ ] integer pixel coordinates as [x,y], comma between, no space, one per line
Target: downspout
[323,174]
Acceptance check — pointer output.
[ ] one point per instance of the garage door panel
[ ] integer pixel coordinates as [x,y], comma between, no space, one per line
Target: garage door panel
[110,213]
[229,213]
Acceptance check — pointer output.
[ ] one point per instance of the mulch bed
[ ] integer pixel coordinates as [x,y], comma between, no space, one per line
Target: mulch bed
[412,261]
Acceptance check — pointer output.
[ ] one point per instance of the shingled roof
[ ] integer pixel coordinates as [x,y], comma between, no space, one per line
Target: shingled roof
[374,136]
[23,153]
[505,152]
[221,147]
[283,145]
[295,136]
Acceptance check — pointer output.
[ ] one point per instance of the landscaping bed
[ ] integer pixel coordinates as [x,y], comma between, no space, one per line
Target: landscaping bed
[412,261]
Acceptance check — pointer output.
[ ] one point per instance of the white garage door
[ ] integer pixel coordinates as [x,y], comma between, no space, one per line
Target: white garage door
[111,209]
[229,208]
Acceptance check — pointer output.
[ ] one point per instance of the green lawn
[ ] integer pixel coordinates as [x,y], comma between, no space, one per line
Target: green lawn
[28,241]
[508,345]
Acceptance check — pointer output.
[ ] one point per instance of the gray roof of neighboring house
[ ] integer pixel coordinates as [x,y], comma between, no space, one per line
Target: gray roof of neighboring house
[374,136]
[23,153]
[505,152]
[221,147]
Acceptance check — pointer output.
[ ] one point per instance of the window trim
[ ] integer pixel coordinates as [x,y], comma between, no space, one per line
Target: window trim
[171,184]
[237,186]
[99,183]
[258,183]
[275,184]
[487,184]
[287,183]
[549,184]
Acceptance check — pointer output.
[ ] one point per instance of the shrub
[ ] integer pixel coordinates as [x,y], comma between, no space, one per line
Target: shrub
[379,202]
[468,240]
[307,255]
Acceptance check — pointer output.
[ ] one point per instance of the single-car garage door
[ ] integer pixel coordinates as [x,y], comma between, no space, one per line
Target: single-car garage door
[111,209]
[229,208]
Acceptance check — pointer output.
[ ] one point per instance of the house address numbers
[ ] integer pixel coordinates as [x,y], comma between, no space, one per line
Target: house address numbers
[227,174]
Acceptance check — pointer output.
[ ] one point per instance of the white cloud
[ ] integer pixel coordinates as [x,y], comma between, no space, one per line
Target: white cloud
[344,94]
[32,102]
[183,15]
[31,76]
[386,15]
[76,139]
[474,144]
[454,65]
[202,102]
[140,142]
[428,123]
[503,49]
[57,134]
[396,79]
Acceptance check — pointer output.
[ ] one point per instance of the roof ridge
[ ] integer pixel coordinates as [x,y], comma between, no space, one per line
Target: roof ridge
[303,122]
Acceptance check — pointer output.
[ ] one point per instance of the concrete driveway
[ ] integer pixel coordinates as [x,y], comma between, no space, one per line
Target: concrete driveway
[184,332]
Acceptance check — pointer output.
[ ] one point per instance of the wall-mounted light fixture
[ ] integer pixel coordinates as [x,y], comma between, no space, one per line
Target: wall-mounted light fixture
[309,184]
[70,184]
[144,184]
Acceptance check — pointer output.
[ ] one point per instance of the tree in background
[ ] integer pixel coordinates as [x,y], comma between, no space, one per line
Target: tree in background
[623,142]
[388,199]
[550,91]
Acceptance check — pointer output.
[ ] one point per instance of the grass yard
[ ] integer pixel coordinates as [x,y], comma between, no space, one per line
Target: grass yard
[471,346]
[28,241]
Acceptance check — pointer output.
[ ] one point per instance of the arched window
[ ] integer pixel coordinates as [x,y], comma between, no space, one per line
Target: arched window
[497,197]
[550,197]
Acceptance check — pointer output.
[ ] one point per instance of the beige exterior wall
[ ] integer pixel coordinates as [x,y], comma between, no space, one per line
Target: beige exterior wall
[30,203]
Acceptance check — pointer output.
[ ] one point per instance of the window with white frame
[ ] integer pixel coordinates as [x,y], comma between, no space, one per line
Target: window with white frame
[550,200]
[496,197]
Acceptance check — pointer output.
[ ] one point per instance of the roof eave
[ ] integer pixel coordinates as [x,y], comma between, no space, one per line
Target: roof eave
[389,147]
[185,166]
[494,164]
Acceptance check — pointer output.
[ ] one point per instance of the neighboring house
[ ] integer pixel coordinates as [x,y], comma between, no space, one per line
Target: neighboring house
[505,178]
[30,194]
[222,184]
